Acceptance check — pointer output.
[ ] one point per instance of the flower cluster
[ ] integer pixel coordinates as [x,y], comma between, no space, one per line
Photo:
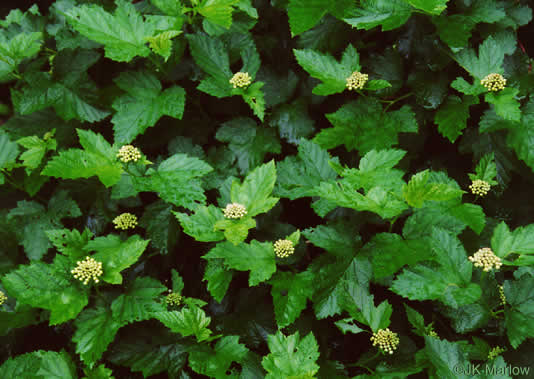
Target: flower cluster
[502,296]
[128,153]
[125,221]
[486,259]
[283,248]
[495,352]
[356,80]
[479,187]
[87,269]
[431,332]
[173,299]
[241,80]
[494,82]
[235,211]
[386,340]
[3,298]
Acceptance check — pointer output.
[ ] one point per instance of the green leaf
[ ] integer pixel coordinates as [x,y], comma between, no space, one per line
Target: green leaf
[176,180]
[253,96]
[505,102]
[416,319]
[451,215]
[218,12]
[298,176]
[446,357]
[290,293]
[236,231]
[355,126]
[150,352]
[376,170]
[390,14]
[339,239]
[49,287]
[521,135]
[293,121]
[162,43]
[360,305]
[33,221]
[210,54]
[390,252]
[449,280]
[98,158]
[489,60]
[418,190]
[177,282]
[15,50]
[95,330]
[291,356]
[170,7]
[56,365]
[347,325]
[72,96]
[377,200]
[201,224]
[39,364]
[249,142]
[325,68]
[98,372]
[261,267]
[452,117]
[256,189]
[330,281]
[8,152]
[434,7]
[143,104]
[305,14]
[123,33]
[216,362]
[138,303]
[462,86]
[218,278]
[189,321]
[520,241]
[70,242]
[37,149]
[455,30]
[486,169]
[116,255]
[160,226]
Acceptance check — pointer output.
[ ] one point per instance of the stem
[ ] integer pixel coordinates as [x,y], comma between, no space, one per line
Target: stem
[391,102]
[129,172]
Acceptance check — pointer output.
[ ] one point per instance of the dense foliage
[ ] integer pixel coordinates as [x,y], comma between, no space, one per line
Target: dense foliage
[266,189]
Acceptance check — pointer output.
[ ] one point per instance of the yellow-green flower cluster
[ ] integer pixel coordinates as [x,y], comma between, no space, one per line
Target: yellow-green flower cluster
[173,299]
[356,80]
[125,221]
[486,259]
[234,211]
[495,352]
[494,82]
[386,340]
[128,153]
[241,80]
[479,187]
[283,248]
[3,297]
[502,296]
[431,332]
[87,269]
